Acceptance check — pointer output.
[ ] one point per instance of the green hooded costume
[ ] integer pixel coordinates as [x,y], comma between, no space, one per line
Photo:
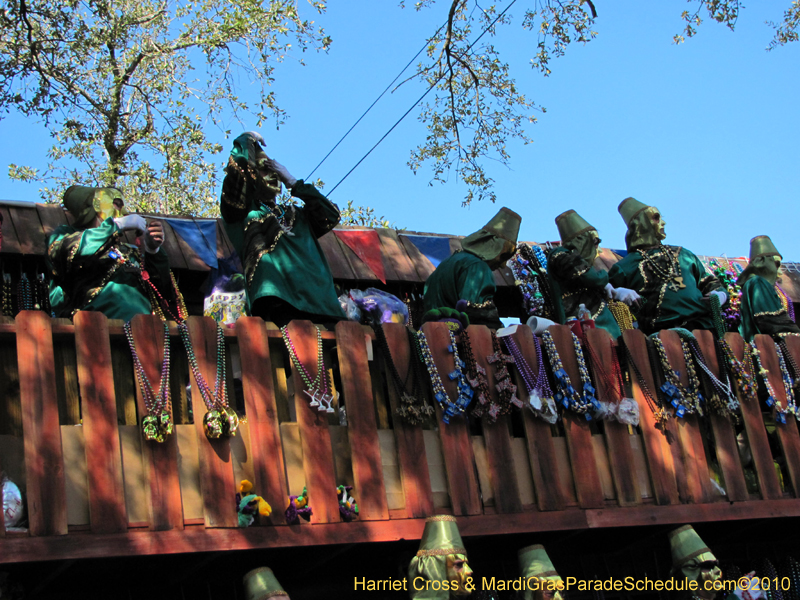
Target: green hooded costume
[693,559]
[573,276]
[91,269]
[261,584]
[283,261]
[670,279]
[539,573]
[431,574]
[764,308]
[468,275]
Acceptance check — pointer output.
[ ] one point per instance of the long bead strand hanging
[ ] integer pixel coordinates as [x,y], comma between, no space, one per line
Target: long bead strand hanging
[220,419]
[619,407]
[42,293]
[465,393]
[540,395]
[317,390]
[727,407]
[660,413]
[567,395]
[24,293]
[8,309]
[685,399]
[506,390]
[477,378]
[157,425]
[772,398]
[741,370]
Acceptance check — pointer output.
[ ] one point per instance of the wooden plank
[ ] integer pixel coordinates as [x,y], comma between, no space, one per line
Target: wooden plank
[411,456]
[262,415]
[177,260]
[768,483]
[29,230]
[10,406]
[787,434]
[67,378]
[51,216]
[656,441]
[340,267]
[10,242]
[362,428]
[44,461]
[124,383]
[620,452]
[318,463]
[107,512]
[541,448]
[421,264]
[459,462]
[579,436]
[727,449]
[690,438]
[497,435]
[160,460]
[397,257]
[216,467]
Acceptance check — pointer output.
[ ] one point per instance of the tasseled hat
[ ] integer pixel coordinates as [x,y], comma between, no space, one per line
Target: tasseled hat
[498,236]
[261,583]
[570,225]
[686,546]
[761,245]
[534,562]
[629,208]
[441,537]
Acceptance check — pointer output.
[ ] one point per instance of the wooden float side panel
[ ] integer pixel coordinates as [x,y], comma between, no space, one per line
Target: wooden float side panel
[318,464]
[44,460]
[620,452]
[107,512]
[216,465]
[362,428]
[497,435]
[160,460]
[763,461]
[579,436]
[656,443]
[262,415]
[724,435]
[462,482]
[787,434]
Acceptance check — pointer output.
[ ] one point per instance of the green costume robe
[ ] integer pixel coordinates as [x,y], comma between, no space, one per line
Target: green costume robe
[574,281]
[762,310]
[667,305]
[464,276]
[92,270]
[291,268]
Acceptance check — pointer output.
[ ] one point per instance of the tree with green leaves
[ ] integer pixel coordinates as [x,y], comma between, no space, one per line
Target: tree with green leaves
[477,106]
[129,89]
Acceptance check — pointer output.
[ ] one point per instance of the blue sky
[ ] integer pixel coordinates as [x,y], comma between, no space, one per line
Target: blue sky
[707,131]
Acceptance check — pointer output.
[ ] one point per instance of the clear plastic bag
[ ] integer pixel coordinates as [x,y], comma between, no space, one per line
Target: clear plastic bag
[374,306]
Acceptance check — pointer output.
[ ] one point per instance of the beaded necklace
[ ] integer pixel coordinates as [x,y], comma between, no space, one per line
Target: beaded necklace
[24,293]
[686,400]
[622,315]
[772,398]
[567,395]
[729,407]
[220,419]
[465,392]
[741,370]
[476,377]
[157,425]
[540,395]
[731,316]
[786,302]
[669,275]
[317,390]
[660,413]
[614,386]
[41,293]
[413,407]
[8,310]
[716,316]
[506,390]
[526,279]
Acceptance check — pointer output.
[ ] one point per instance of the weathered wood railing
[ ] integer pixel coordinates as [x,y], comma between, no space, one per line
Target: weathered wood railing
[94,487]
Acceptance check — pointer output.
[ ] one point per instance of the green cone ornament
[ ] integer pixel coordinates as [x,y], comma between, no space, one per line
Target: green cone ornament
[576,234]
[261,583]
[538,572]
[440,567]
[693,558]
[496,238]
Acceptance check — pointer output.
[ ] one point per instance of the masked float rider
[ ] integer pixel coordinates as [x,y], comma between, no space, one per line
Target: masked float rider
[765,307]
[671,280]
[261,583]
[93,269]
[693,559]
[287,274]
[541,580]
[575,280]
[468,276]
[440,569]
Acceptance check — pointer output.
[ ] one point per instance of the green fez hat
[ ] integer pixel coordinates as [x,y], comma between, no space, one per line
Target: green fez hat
[570,225]
[261,583]
[687,545]
[76,199]
[629,208]
[505,225]
[495,238]
[440,537]
[534,562]
[761,245]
